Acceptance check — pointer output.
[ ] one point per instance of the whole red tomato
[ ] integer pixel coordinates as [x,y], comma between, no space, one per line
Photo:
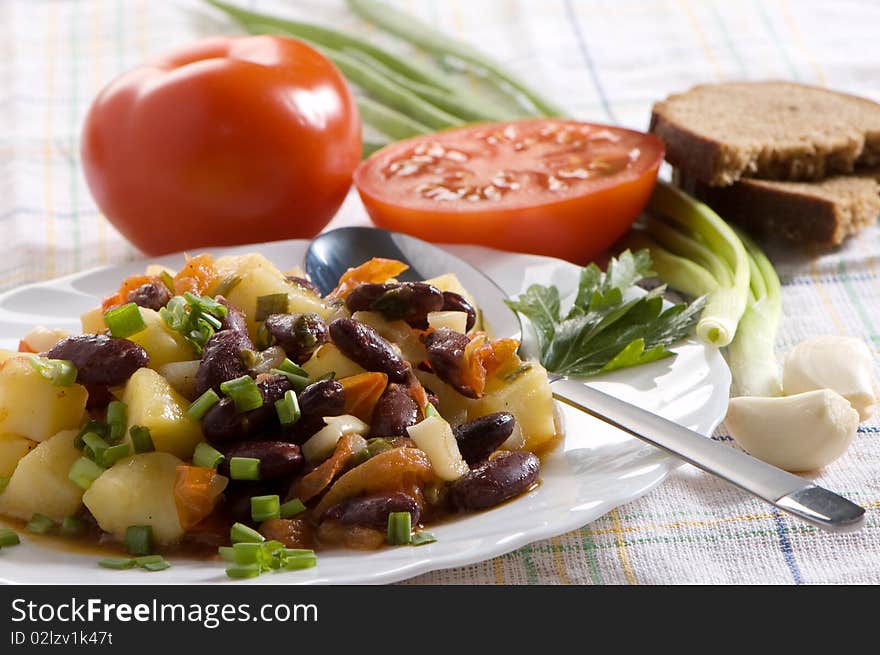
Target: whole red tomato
[227,141]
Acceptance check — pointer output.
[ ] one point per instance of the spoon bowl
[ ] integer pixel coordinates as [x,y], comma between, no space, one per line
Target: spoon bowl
[331,254]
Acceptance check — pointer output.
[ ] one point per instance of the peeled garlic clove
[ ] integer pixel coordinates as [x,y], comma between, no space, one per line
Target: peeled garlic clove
[803,432]
[844,364]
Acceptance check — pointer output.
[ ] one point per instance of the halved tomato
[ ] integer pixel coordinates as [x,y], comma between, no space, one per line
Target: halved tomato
[551,187]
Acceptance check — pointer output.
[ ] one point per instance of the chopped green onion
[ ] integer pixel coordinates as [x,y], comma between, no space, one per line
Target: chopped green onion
[40,524]
[95,446]
[288,366]
[98,427]
[263,339]
[227,553]
[116,563]
[117,417]
[378,445]
[298,561]
[60,372]
[205,305]
[244,393]
[8,538]
[422,538]
[202,404]
[141,439]
[329,375]
[242,571]
[240,533]
[72,526]
[298,382]
[139,539]
[264,508]
[4,480]
[157,566]
[226,285]
[430,411]
[124,321]
[273,303]
[84,471]
[206,456]
[244,468]
[287,408]
[399,528]
[114,453]
[148,559]
[247,552]
[291,508]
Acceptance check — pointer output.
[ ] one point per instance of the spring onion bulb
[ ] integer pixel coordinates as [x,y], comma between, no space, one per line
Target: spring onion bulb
[751,355]
[713,244]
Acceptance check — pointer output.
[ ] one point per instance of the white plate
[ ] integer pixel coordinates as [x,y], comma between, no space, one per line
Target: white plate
[595,469]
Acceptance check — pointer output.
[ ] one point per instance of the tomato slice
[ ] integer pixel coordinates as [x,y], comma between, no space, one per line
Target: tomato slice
[552,187]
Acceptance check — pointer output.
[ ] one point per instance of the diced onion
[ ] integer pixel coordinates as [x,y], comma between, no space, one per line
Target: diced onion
[434,437]
[322,443]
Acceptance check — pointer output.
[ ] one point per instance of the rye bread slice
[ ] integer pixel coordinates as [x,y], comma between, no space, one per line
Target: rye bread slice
[822,213]
[720,133]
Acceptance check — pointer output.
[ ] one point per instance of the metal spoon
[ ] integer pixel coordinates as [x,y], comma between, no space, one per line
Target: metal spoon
[332,253]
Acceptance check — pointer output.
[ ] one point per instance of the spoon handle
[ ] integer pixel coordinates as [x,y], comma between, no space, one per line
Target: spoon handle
[788,492]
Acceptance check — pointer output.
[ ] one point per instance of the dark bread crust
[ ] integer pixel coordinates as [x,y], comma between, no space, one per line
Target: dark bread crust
[720,133]
[822,213]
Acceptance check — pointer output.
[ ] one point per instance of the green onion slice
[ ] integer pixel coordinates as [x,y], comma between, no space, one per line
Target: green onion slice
[116,563]
[117,417]
[72,526]
[291,508]
[299,561]
[247,552]
[139,539]
[399,528]
[240,533]
[60,372]
[273,303]
[244,393]
[206,456]
[161,565]
[288,366]
[242,571]
[8,537]
[422,538]
[264,508]
[244,468]
[40,524]
[114,453]
[202,404]
[287,408]
[141,439]
[84,471]
[298,382]
[124,321]
[4,481]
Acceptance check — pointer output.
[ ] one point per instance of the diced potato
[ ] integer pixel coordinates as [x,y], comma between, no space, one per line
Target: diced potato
[398,333]
[450,282]
[40,339]
[7,354]
[162,344]
[93,321]
[526,394]
[154,404]
[156,270]
[259,277]
[182,376]
[12,448]
[453,406]
[30,405]
[137,490]
[328,359]
[455,321]
[40,483]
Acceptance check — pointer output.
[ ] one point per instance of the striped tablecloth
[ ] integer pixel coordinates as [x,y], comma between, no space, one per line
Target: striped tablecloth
[605,60]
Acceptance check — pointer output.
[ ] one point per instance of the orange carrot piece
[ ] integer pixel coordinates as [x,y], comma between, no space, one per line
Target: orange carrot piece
[196,492]
[197,275]
[362,391]
[314,482]
[375,270]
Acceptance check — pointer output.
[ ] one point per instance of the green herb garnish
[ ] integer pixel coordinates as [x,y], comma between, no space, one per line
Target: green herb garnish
[196,318]
[606,328]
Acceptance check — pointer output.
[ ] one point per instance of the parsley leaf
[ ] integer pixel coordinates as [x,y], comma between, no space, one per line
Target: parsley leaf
[605,329]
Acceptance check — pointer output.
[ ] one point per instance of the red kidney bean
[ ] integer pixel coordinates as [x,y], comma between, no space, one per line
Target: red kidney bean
[363,345]
[373,510]
[499,479]
[454,302]
[222,423]
[100,359]
[319,399]
[397,301]
[222,360]
[277,458]
[234,319]
[299,335]
[446,356]
[481,437]
[394,412]
[152,295]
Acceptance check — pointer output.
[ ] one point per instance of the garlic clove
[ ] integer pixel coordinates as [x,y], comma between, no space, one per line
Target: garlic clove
[802,432]
[844,364]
